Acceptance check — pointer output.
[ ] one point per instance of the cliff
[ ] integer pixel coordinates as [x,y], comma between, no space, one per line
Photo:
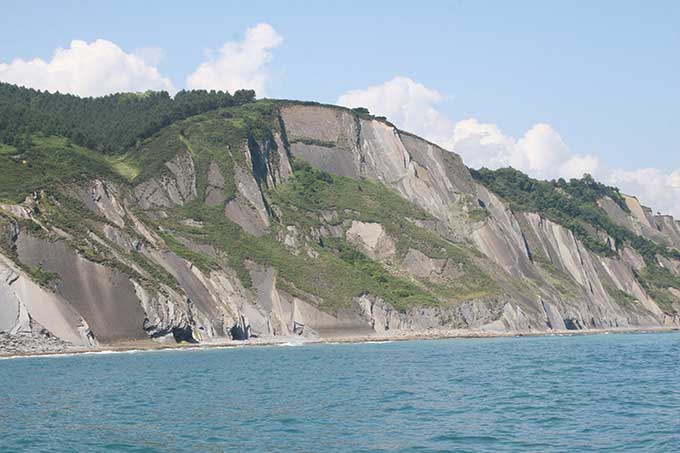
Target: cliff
[286,218]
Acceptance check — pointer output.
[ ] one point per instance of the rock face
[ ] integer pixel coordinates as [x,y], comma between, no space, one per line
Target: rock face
[372,239]
[39,342]
[215,191]
[419,171]
[26,305]
[91,303]
[247,210]
[438,182]
[176,187]
[103,297]
[126,274]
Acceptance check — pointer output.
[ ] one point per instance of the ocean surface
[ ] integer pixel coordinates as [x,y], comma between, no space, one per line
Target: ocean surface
[617,392]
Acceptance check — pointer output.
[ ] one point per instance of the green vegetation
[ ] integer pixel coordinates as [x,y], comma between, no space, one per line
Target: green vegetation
[336,279]
[574,205]
[204,262]
[223,136]
[656,280]
[478,214]
[50,142]
[337,272]
[332,269]
[61,210]
[362,112]
[622,297]
[46,162]
[38,275]
[313,191]
[311,141]
[358,112]
[401,292]
[148,159]
[41,277]
[326,276]
[561,281]
[109,124]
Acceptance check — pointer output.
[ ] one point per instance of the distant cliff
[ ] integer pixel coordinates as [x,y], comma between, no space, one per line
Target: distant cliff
[288,218]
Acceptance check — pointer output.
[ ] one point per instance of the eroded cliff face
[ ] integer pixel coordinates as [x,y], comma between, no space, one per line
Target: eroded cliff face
[120,282]
[103,261]
[28,308]
[557,282]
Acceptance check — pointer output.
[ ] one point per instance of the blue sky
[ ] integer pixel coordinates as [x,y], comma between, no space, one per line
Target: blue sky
[604,78]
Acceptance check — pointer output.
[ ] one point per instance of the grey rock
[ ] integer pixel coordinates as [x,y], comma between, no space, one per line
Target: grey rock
[248,210]
[176,187]
[215,189]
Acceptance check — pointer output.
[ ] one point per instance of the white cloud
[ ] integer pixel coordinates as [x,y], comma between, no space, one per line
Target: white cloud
[239,65]
[87,69]
[540,152]
[150,55]
[406,103]
[652,187]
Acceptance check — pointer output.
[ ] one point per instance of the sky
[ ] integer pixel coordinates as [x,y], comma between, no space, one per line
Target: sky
[555,89]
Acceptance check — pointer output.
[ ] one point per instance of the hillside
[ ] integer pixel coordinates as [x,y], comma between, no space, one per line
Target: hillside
[214,217]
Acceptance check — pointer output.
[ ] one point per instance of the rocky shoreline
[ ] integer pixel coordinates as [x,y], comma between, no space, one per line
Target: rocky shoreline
[29,344]
[24,345]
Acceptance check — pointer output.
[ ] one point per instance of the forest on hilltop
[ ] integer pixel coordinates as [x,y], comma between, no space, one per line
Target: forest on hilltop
[109,124]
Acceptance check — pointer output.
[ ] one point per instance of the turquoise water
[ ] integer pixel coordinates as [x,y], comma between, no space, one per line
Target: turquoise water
[582,393]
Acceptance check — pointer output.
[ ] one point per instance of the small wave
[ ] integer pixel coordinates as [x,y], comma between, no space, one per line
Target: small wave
[86,353]
[68,354]
[465,438]
[30,356]
[109,351]
[289,344]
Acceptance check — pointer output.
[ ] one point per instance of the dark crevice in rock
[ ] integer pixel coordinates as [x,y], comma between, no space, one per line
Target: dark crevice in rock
[183,334]
[572,324]
[284,138]
[526,247]
[239,332]
[259,159]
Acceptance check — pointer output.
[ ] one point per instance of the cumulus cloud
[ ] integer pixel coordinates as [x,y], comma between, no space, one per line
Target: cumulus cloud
[540,152]
[87,69]
[150,55]
[406,103]
[652,186]
[238,64]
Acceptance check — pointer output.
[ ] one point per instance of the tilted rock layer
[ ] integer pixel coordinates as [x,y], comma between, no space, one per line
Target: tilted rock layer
[210,248]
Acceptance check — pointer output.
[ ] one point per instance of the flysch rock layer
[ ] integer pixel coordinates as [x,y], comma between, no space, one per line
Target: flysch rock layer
[549,280]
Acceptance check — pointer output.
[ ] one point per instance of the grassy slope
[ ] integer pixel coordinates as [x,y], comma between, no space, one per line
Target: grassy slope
[573,204]
[218,135]
[337,273]
[313,191]
[49,162]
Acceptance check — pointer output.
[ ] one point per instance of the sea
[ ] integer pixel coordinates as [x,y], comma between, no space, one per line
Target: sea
[582,393]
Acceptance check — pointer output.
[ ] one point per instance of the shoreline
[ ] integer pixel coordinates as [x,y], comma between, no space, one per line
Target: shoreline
[346,339]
